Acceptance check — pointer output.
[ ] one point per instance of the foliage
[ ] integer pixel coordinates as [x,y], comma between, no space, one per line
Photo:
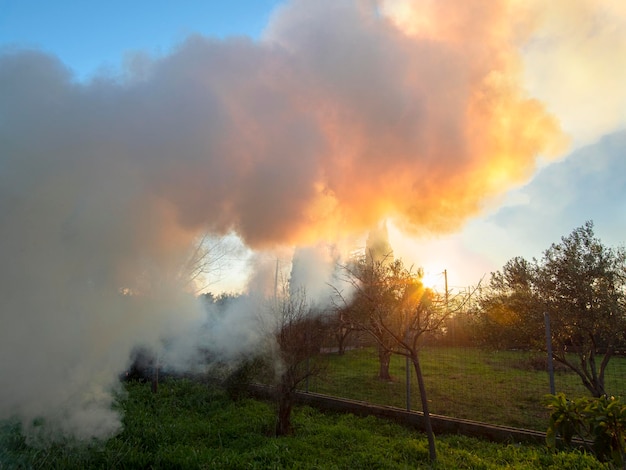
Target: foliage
[511,314]
[236,383]
[599,422]
[190,426]
[581,285]
[391,303]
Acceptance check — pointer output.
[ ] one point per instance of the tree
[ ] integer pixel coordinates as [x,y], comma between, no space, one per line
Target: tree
[206,259]
[341,328]
[421,311]
[391,303]
[298,334]
[582,285]
[511,315]
[376,288]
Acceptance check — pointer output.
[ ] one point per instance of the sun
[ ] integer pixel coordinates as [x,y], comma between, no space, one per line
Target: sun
[434,279]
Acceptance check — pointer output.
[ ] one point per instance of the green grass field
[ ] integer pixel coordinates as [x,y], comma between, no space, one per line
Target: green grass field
[497,387]
[191,426]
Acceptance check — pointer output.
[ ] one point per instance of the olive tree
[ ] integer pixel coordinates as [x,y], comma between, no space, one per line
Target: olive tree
[376,289]
[581,284]
[391,303]
[510,314]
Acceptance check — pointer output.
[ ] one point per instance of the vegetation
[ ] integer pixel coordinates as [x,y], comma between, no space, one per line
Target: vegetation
[390,303]
[600,423]
[498,387]
[298,334]
[189,426]
[393,306]
[581,285]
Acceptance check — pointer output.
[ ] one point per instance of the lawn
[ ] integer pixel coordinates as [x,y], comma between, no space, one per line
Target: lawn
[497,387]
[189,425]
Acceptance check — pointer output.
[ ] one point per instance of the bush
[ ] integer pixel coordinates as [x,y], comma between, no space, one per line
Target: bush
[237,382]
[600,423]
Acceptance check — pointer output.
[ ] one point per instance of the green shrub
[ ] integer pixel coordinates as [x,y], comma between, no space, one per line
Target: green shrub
[600,423]
[237,382]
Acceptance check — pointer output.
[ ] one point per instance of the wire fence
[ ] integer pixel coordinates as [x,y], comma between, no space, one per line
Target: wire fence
[496,387]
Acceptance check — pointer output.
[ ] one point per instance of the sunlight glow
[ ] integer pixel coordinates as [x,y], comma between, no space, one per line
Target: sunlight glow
[434,279]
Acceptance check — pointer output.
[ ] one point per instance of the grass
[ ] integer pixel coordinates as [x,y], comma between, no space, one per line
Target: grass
[190,426]
[497,387]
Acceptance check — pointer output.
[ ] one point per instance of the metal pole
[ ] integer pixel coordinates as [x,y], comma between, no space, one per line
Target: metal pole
[408,384]
[546,319]
[445,278]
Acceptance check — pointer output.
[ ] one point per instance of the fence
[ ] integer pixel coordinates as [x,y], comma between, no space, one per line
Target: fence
[497,387]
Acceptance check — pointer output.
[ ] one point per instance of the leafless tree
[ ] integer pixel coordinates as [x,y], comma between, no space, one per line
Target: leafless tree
[207,258]
[374,295]
[392,304]
[298,331]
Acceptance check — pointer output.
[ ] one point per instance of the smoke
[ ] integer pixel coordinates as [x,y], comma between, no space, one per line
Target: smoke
[314,274]
[340,116]
[377,248]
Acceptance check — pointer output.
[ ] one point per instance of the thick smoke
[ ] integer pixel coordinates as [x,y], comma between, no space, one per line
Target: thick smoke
[314,274]
[340,116]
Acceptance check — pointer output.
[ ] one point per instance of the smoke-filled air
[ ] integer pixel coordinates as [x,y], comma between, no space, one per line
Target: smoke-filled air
[344,113]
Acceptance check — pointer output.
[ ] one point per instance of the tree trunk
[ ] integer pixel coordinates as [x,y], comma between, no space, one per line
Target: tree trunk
[593,383]
[285,404]
[154,381]
[341,348]
[429,429]
[384,358]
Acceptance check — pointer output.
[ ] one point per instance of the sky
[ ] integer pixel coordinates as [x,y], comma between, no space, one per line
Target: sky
[476,130]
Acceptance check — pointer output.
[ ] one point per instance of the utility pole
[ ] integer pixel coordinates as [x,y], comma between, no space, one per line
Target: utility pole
[445,282]
[546,318]
[445,278]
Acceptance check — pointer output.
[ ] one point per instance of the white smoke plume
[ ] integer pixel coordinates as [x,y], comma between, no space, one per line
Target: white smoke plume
[314,273]
[339,117]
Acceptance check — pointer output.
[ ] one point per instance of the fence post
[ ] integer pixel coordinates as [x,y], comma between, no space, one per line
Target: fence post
[308,361]
[546,318]
[408,384]
[407,365]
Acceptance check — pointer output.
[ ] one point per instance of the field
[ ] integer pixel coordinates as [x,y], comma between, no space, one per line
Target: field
[189,425]
[496,387]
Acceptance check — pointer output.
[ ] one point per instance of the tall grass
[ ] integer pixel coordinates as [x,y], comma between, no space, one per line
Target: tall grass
[190,426]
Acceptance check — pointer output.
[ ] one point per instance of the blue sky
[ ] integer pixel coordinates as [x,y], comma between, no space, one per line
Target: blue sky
[90,35]
[580,86]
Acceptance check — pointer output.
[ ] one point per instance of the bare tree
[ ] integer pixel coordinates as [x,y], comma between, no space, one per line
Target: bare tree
[375,292]
[207,258]
[393,306]
[298,333]
[341,328]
